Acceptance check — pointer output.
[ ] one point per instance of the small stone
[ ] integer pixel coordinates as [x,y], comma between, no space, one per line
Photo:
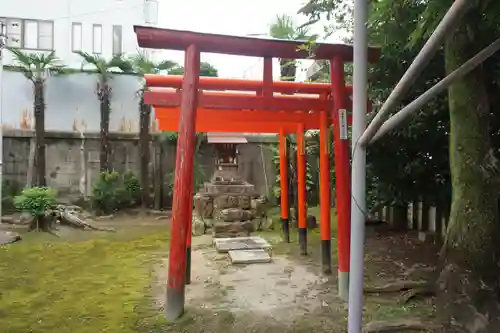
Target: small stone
[266,223]
[8,237]
[311,222]
[235,214]
[104,217]
[231,229]
[25,218]
[199,227]
[244,202]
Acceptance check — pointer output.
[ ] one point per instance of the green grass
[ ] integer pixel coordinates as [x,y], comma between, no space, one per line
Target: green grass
[99,285]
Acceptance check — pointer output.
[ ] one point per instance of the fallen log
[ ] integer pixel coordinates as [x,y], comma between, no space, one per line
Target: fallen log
[70,219]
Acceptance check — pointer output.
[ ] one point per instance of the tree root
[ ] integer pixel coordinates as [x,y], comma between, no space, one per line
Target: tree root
[412,294]
[397,286]
[398,326]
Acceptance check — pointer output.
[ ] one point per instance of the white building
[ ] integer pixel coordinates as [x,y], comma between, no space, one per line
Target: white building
[103,27]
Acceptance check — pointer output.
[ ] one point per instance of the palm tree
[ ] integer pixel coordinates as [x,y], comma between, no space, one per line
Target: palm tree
[142,64]
[104,69]
[206,69]
[37,68]
[284,28]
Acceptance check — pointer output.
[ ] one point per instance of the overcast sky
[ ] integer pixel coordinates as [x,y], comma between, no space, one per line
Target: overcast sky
[233,17]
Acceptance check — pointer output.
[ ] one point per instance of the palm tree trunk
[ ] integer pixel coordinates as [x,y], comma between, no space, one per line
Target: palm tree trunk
[105,108]
[288,69]
[39,108]
[144,124]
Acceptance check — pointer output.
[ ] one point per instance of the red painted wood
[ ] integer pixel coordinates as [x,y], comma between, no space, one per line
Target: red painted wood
[211,116]
[301,178]
[218,83]
[267,84]
[182,198]
[342,168]
[169,124]
[238,101]
[283,176]
[324,174]
[156,38]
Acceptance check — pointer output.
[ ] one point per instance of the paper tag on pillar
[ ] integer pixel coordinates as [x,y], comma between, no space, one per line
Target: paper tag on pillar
[343,124]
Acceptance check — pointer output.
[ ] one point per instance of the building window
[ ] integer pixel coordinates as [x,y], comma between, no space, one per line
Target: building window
[29,34]
[117,39]
[97,38]
[76,38]
[151,12]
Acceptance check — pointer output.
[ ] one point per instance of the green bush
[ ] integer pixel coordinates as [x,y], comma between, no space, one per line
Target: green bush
[132,188]
[113,192]
[36,200]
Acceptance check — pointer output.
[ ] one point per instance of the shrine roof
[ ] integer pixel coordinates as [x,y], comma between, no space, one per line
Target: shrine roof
[158,38]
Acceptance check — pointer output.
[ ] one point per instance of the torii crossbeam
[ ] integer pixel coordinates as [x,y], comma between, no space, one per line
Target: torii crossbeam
[194,107]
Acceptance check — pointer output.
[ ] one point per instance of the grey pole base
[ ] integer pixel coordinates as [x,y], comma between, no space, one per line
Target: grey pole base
[326,257]
[285,226]
[303,241]
[174,307]
[344,285]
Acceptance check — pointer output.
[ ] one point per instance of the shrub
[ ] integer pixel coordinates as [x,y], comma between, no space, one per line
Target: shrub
[36,200]
[132,188]
[113,192]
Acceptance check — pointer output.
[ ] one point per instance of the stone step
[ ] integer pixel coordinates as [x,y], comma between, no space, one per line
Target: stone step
[224,245]
[257,256]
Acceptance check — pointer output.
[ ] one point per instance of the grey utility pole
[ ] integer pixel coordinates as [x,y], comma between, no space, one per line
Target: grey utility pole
[358,174]
[3,43]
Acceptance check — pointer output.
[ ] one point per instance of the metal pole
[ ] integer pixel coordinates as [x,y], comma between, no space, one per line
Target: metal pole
[3,43]
[360,85]
[418,103]
[447,25]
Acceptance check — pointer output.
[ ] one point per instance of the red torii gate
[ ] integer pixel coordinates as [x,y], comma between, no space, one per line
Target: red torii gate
[260,112]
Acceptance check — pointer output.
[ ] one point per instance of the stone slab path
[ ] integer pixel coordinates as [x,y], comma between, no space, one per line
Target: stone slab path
[224,245]
[244,250]
[258,256]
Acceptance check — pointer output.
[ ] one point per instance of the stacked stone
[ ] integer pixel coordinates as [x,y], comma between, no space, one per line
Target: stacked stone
[229,206]
[232,207]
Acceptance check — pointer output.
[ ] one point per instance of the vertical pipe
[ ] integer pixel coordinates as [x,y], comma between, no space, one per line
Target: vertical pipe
[284,188]
[342,174]
[324,199]
[301,188]
[181,206]
[358,203]
[3,42]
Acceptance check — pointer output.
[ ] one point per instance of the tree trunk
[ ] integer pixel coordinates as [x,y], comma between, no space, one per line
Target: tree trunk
[42,223]
[468,284]
[144,138]
[39,109]
[105,108]
[288,69]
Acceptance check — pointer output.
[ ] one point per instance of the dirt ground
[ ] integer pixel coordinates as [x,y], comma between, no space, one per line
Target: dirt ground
[289,294]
